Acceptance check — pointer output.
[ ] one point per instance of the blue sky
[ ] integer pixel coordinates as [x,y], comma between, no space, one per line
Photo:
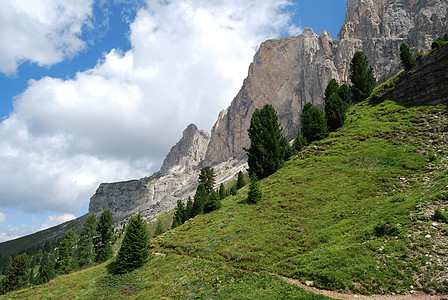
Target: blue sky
[98,91]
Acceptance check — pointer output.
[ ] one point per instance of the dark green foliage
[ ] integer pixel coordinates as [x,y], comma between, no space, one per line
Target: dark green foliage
[46,272]
[440,216]
[299,142]
[314,123]
[179,215]
[207,178]
[18,274]
[189,209]
[134,250]
[199,200]
[212,202]
[254,195]
[103,244]
[240,182]
[332,88]
[335,111]
[361,76]
[159,229]
[407,60]
[440,42]
[268,149]
[233,190]
[85,251]
[345,94]
[222,191]
[66,261]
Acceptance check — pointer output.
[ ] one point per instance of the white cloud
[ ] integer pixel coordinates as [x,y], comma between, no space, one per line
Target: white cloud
[2,219]
[40,31]
[118,120]
[56,220]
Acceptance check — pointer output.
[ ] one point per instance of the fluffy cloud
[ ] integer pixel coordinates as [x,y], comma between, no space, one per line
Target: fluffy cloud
[119,119]
[40,31]
[56,220]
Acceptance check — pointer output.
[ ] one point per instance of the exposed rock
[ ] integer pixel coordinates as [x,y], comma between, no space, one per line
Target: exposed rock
[292,71]
[188,152]
[427,84]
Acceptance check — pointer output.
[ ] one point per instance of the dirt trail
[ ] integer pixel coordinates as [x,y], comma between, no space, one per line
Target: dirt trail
[416,296]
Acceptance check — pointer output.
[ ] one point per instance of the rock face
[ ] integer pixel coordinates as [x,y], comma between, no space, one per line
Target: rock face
[427,84]
[292,71]
[287,73]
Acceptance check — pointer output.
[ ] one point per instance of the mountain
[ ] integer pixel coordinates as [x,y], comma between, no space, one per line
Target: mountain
[361,212]
[287,73]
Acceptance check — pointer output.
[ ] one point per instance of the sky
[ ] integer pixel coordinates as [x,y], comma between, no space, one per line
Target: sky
[99,90]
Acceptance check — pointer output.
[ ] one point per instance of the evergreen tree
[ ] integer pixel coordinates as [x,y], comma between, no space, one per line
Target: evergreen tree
[18,274]
[268,149]
[407,60]
[199,200]
[66,261]
[207,178]
[345,94]
[179,215]
[240,182]
[314,123]
[254,195]
[134,250]
[212,202]
[159,229]
[233,190]
[299,142]
[361,76]
[46,272]
[189,209]
[332,88]
[222,191]
[85,253]
[103,244]
[335,110]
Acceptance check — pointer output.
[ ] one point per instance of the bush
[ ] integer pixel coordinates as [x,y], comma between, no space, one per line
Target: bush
[254,195]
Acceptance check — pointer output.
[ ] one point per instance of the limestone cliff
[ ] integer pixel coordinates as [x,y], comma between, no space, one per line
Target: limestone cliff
[287,73]
[292,71]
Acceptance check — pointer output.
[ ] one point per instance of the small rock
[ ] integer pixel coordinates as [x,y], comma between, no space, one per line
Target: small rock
[428,236]
[309,283]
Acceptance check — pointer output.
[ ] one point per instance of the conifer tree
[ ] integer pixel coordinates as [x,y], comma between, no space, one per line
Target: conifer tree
[299,142]
[85,253]
[222,191]
[254,195]
[18,274]
[207,178]
[179,215]
[233,190]
[134,250]
[103,244]
[212,202]
[332,87]
[189,209]
[335,110]
[159,228]
[199,200]
[268,149]
[46,271]
[407,60]
[361,76]
[240,182]
[345,94]
[66,259]
[314,123]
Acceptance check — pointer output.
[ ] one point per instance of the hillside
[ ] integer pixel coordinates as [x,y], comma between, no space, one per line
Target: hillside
[354,212]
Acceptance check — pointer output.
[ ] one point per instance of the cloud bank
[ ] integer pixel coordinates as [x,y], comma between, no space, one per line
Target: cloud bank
[118,120]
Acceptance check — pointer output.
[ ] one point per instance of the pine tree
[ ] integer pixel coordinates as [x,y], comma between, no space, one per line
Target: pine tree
[222,191]
[314,123]
[268,149]
[199,200]
[345,94]
[335,110]
[240,182]
[46,271]
[407,60]
[179,215]
[103,244]
[189,209]
[159,228]
[66,261]
[254,195]
[233,190]
[207,178]
[18,274]
[134,250]
[361,76]
[299,142]
[85,249]
[332,87]
[212,202]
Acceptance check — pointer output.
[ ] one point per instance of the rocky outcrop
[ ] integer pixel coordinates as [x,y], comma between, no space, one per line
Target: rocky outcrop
[188,152]
[427,84]
[292,71]
[287,73]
